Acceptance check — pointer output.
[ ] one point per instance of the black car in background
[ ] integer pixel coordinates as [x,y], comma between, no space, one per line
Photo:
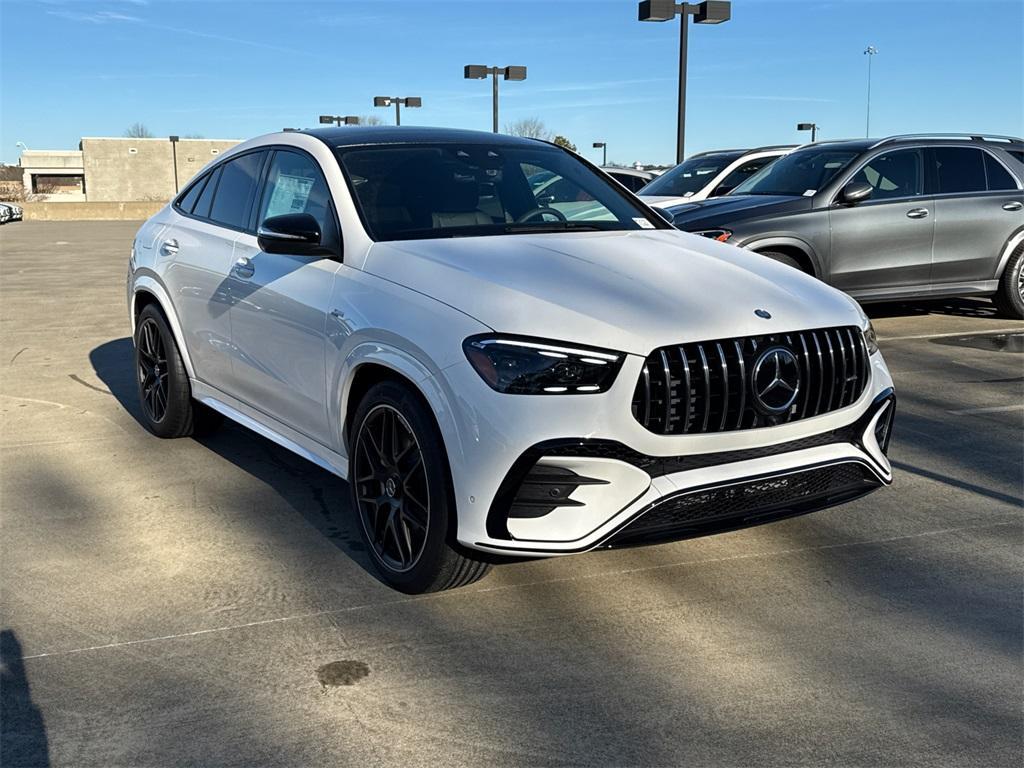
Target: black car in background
[910,216]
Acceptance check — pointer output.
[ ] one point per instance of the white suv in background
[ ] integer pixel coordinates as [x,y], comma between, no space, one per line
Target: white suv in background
[708,174]
[493,378]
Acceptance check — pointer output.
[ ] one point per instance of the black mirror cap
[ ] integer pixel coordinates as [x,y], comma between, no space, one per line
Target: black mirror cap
[666,215]
[855,192]
[295,233]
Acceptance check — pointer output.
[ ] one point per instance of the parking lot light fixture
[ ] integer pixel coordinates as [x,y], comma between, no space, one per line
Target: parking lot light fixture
[387,101]
[870,52]
[708,12]
[812,127]
[480,72]
[339,120]
[604,151]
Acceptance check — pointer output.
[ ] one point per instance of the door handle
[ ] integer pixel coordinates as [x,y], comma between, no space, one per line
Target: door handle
[917,213]
[243,267]
[1013,205]
[169,247]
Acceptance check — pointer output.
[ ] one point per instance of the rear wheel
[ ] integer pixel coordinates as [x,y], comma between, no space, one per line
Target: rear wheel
[1009,299]
[168,409]
[401,492]
[783,258]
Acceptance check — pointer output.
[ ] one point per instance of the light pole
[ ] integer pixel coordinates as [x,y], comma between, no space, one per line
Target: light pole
[174,160]
[480,72]
[812,127]
[708,12]
[387,101]
[604,151]
[339,120]
[870,52]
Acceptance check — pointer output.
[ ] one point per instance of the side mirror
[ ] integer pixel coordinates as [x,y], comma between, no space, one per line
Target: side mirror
[293,233]
[666,215]
[855,192]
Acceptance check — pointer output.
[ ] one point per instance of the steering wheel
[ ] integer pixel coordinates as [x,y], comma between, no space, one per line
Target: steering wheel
[533,213]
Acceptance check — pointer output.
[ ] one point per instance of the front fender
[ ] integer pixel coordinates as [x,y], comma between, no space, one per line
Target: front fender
[788,241]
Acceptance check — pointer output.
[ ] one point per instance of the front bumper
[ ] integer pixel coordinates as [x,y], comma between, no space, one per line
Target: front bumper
[616,484]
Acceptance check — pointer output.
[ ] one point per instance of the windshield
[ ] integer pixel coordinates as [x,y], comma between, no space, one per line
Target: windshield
[800,173]
[690,176]
[416,191]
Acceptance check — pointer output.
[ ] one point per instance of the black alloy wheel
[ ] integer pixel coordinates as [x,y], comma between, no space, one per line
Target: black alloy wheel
[153,371]
[392,488]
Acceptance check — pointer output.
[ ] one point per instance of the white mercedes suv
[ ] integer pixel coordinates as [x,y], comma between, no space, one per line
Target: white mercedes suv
[498,376]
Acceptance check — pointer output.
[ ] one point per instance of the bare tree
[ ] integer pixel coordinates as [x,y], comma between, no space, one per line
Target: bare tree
[138,131]
[529,127]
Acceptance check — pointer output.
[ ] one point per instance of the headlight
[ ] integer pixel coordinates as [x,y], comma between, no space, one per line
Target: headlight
[871,338]
[520,366]
[721,235]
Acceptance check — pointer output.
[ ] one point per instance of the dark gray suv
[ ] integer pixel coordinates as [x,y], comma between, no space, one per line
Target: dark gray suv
[904,217]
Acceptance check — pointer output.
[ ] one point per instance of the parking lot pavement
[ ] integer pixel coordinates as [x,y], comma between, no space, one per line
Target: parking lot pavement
[171,602]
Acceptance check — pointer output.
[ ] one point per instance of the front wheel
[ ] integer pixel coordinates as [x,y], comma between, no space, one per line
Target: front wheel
[1009,299]
[401,493]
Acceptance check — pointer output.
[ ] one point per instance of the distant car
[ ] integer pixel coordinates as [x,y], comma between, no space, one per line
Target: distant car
[906,217]
[630,178]
[5,213]
[708,174]
[14,212]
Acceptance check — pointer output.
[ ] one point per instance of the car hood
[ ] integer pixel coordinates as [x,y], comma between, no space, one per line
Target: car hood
[664,201]
[721,210]
[627,291]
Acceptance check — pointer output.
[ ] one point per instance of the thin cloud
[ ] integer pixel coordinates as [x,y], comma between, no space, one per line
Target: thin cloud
[95,17]
[764,97]
[599,85]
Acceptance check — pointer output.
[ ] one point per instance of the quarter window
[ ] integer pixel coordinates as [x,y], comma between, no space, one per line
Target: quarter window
[998,177]
[188,201]
[960,170]
[202,209]
[236,189]
[893,175]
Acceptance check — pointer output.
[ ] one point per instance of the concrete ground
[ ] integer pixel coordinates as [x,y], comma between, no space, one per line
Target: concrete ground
[171,602]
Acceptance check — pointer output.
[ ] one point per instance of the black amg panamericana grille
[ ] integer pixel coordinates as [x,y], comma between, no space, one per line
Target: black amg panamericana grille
[770,498]
[708,386]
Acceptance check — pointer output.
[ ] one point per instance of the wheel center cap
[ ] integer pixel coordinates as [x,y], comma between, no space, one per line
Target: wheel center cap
[391,487]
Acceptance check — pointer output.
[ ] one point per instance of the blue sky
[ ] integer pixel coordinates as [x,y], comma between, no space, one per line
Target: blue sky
[72,68]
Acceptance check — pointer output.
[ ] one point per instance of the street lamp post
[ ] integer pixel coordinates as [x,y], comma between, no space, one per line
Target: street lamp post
[707,12]
[870,52]
[812,127]
[480,72]
[174,160]
[603,146]
[339,120]
[387,101]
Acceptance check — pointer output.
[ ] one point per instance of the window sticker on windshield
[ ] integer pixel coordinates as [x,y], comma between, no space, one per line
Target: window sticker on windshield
[643,223]
[810,193]
[290,195]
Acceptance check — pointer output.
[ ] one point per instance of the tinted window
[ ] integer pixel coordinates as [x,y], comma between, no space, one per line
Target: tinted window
[235,191]
[960,170]
[1018,154]
[418,191]
[998,176]
[741,173]
[202,208]
[803,172]
[188,200]
[691,175]
[295,185]
[893,174]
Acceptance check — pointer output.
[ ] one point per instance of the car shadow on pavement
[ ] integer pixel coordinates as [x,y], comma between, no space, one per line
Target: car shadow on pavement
[319,496]
[22,729]
[953,307]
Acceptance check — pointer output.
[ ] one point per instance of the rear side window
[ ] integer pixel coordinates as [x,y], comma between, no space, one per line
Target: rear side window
[202,208]
[960,170]
[998,177]
[236,189]
[1016,153]
[188,201]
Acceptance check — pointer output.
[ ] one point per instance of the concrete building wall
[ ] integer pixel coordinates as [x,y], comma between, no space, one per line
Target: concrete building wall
[143,169]
[39,163]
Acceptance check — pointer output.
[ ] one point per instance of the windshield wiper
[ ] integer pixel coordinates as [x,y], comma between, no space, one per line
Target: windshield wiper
[550,226]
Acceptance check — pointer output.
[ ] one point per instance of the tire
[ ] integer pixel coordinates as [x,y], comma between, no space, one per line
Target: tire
[402,493]
[783,258]
[165,395]
[1009,298]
